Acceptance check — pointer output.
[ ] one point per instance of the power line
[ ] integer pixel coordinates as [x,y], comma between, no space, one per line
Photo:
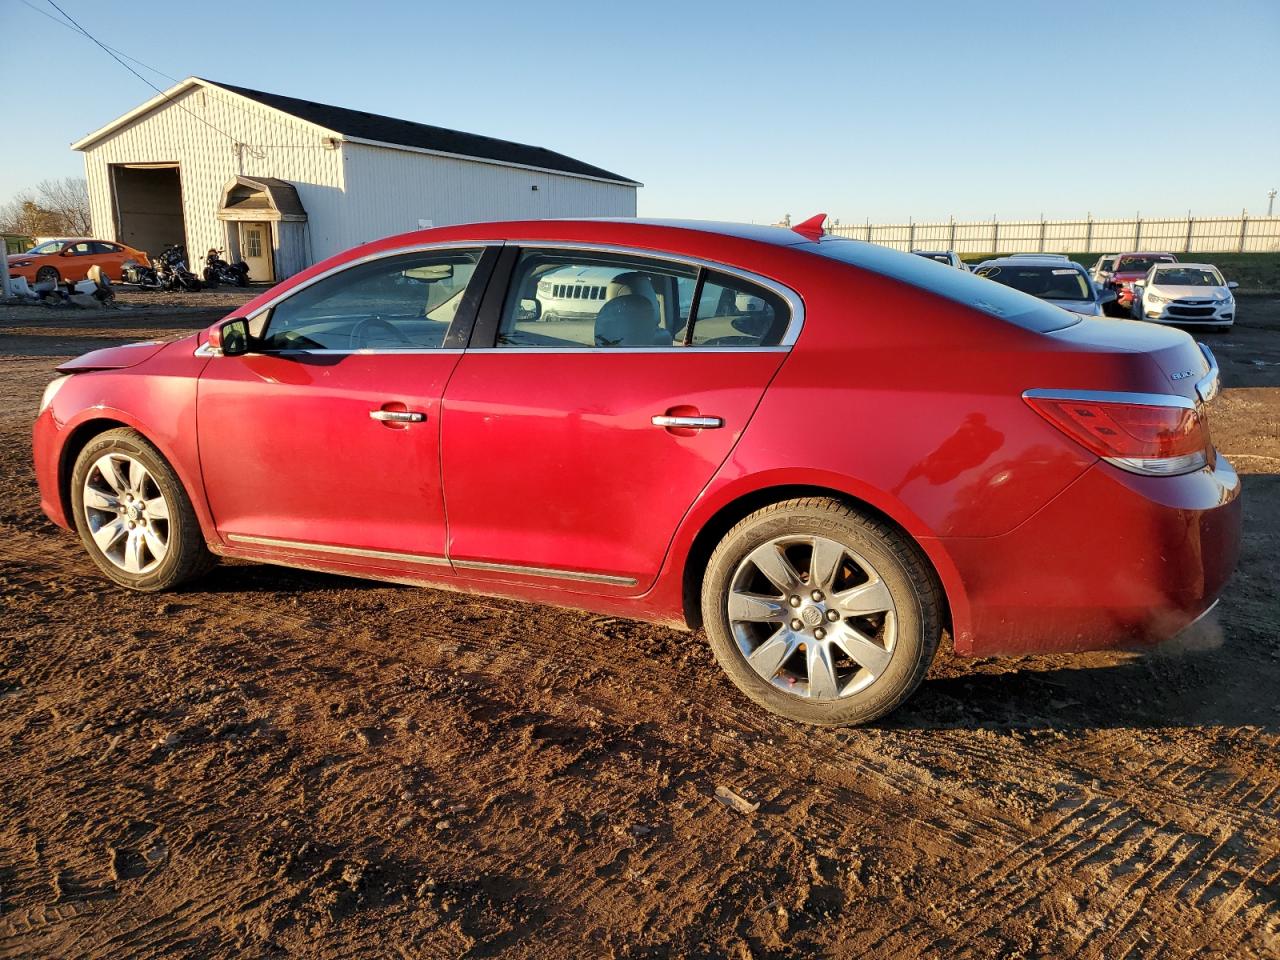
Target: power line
[109,52]
[62,23]
[208,90]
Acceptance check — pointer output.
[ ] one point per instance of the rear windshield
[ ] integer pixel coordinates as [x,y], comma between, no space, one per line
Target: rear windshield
[1047,283]
[1139,264]
[1188,277]
[940,257]
[961,286]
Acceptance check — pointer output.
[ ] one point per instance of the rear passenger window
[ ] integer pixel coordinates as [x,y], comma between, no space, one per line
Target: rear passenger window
[737,313]
[565,299]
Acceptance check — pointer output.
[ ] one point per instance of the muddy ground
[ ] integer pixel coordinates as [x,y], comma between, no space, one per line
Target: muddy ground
[281,763]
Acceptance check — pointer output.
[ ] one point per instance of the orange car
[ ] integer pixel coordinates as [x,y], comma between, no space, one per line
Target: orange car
[70,259]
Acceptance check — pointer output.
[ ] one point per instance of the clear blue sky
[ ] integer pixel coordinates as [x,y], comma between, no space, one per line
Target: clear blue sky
[734,110]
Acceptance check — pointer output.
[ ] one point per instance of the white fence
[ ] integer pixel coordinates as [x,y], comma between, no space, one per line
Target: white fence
[1242,234]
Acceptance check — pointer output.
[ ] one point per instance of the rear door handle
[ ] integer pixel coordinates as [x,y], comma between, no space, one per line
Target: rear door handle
[695,423]
[397,416]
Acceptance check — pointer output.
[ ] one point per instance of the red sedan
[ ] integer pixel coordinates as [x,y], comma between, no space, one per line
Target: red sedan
[826,454]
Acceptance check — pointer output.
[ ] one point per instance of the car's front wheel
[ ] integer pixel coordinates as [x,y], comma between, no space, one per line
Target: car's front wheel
[133,515]
[821,614]
[48,275]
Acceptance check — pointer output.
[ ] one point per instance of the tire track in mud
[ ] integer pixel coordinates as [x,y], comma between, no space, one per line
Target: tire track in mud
[823,792]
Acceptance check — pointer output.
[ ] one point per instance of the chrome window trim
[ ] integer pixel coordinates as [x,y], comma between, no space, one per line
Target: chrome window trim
[369,258]
[1113,396]
[793,299]
[431,560]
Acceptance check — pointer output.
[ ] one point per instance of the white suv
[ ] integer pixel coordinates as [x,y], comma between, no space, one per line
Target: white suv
[1185,293]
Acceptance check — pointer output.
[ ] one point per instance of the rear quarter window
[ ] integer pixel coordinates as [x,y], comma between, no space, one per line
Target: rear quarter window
[959,286]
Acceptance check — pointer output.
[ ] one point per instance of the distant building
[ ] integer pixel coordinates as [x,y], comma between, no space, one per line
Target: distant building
[282,183]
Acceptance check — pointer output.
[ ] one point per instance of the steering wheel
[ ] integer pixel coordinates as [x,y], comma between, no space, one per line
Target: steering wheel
[359,336]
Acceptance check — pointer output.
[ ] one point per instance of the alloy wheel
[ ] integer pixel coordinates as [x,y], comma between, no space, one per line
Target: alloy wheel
[811,617]
[127,513]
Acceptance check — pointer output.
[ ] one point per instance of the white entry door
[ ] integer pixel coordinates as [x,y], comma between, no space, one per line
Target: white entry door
[255,250]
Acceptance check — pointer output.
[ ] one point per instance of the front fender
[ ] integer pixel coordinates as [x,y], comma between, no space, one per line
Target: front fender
[157,399]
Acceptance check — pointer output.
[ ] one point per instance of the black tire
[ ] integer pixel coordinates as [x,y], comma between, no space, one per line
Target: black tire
[48,275]
[187,556]
[242,280]
[899,564]
[210,277]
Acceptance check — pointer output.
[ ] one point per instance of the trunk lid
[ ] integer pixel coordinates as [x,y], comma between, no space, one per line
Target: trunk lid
[1185,368]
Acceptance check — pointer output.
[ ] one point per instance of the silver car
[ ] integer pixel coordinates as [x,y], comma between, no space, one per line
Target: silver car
[1056,279]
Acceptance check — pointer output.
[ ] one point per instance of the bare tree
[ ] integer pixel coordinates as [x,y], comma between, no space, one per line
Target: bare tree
[69,199]
[54,207]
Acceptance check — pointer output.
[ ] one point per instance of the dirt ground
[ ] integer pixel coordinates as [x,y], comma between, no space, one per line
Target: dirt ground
[281,763]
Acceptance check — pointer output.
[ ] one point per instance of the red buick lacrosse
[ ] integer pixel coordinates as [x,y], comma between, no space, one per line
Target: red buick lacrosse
[823,453]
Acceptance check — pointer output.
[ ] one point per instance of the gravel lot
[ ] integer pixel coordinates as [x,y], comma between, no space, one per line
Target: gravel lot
[274,762]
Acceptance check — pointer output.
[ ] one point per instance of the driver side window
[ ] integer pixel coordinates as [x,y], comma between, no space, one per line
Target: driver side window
[395,303]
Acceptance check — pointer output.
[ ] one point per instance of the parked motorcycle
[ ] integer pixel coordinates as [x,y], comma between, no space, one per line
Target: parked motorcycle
[172,271]
[217,270]
[134,273]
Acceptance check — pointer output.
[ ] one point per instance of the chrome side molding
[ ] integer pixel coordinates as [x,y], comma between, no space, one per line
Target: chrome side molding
[551,573]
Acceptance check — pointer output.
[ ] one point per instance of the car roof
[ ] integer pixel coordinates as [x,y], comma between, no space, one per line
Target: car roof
[1193,266]
[934,253]
[1146,253]
[1030,261]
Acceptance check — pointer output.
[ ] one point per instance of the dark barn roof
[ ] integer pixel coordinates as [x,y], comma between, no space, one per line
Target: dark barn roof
[372,126]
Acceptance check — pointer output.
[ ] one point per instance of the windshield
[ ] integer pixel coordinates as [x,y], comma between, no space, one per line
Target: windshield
[1188,277]
[960,286]
[1047,283]
[49,246]
[1139,264]
[940,257]
[1106,262]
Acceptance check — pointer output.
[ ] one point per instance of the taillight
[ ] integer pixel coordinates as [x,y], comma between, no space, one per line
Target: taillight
[1155,434]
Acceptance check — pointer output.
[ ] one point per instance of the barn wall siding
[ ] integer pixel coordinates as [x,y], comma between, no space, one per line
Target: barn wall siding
[391,190]
[275,145]
[352,192]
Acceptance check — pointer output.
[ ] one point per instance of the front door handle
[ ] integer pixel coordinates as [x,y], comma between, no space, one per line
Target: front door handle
[689,423]
[397,416]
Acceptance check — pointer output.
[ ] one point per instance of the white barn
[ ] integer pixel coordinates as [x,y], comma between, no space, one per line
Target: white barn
[282,183]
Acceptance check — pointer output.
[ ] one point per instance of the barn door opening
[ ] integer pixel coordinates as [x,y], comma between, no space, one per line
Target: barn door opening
[148,206]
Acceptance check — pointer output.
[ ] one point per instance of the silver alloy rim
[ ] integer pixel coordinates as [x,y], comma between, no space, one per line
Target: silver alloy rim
[812,617]
[127,513]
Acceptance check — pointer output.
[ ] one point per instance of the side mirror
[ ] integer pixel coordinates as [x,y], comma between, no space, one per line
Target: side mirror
[1231,285]
[231,339]
[1106,296]
[530,308]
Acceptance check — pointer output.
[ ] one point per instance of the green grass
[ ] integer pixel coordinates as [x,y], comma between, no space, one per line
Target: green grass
[1255,272]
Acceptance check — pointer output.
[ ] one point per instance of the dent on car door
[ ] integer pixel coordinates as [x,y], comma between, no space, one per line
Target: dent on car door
[324,438]
[589,413]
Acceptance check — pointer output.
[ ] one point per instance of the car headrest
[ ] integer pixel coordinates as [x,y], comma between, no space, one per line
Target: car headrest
[627,321]
[632,282]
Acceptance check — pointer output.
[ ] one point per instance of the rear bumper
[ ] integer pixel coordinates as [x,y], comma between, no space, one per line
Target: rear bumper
[1116,560]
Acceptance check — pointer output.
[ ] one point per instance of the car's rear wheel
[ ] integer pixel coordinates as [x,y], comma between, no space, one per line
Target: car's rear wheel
[133,515]
[48,275]
[821,614]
